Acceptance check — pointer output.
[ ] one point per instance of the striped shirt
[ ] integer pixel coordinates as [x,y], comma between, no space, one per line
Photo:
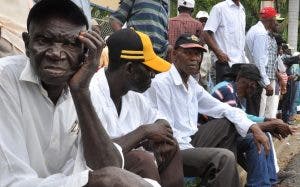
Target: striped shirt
[272,64]
[226,93]
[183,24]
[149,17]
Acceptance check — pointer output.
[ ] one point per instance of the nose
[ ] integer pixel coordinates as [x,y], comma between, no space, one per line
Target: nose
[56,52]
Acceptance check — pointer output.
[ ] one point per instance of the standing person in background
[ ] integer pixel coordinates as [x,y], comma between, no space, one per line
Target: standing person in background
[147,16]
[184,23]
[224,33]
[261,50]
[207,67]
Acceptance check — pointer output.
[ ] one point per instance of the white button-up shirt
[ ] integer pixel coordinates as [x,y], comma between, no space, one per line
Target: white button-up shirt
[40,142]
[181,106]
[135,111]
[228,22]
[257,49]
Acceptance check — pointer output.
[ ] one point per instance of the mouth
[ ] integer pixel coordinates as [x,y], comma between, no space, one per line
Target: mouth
[55,71]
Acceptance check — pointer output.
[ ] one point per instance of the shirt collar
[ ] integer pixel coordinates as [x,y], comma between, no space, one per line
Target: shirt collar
[175,75]
[177,78]
[28,74]
[231,3]
[104,87]
[261,25]
[184,15]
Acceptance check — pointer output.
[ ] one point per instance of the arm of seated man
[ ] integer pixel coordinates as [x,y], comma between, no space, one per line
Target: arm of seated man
[159,131]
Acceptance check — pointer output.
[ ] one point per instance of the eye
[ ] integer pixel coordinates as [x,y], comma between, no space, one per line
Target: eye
[72,44]
[42,40]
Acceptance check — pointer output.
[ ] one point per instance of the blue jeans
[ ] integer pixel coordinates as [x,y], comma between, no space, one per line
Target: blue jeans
[260,168]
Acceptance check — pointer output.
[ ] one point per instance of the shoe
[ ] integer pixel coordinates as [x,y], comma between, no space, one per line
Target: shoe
[282,175]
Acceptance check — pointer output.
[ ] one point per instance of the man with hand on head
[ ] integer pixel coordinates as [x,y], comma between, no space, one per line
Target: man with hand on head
[126,114]
[50,133]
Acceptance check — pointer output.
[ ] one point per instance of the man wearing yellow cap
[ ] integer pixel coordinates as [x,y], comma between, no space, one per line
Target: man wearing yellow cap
[125,113]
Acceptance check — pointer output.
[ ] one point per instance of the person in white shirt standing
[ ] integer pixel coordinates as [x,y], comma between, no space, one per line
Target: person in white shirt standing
[50,133]
[127,116]
[180,98]
[224,33]
[261,49]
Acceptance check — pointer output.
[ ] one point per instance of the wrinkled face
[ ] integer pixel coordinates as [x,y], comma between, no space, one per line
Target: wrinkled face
[188,60]
[54,49]
[140,78]
[245,87]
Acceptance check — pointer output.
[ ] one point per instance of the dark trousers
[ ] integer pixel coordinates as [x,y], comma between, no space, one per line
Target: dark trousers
[209,160]
[222,68]
[143,164]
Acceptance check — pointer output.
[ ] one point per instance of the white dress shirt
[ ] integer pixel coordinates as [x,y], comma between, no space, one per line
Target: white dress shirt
[40,143]
[181,106]
[228,22]
[257,49]
[135,111]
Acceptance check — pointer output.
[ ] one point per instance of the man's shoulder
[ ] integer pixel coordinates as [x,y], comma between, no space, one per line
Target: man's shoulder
[11,67]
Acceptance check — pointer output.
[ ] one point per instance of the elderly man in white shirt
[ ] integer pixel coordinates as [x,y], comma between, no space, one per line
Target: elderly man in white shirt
[178,96]
[50,133]
[127,116]
[224,33]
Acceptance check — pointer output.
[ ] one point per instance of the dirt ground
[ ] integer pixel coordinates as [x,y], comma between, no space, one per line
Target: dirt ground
[289,158]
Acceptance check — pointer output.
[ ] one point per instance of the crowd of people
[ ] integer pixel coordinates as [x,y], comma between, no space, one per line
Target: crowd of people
[158,101]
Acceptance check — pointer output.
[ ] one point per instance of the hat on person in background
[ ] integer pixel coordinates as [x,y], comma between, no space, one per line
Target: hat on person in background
[268,12]
[202,14]
[189,41]
[186,3]
[128,45]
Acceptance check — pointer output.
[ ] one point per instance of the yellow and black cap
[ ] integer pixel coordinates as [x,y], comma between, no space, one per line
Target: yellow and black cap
[189,41]
[130,45]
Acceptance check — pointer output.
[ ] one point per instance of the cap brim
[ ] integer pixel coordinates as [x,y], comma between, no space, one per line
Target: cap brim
[193,45]
[158,64]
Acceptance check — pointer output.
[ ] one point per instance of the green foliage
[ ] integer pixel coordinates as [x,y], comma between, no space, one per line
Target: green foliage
[99,13]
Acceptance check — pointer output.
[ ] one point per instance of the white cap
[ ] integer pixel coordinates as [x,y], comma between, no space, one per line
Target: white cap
[186,3]
[202,14]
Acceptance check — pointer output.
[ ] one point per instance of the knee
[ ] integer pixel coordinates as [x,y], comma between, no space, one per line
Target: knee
[226,157]
[143,158]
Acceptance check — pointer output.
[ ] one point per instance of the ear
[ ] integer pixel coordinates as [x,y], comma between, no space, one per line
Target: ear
[25,37]
[128,68]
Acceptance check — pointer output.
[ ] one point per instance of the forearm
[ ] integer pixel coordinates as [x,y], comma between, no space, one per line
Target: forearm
[265,126]
[131,140]
[99,150]
[211,42]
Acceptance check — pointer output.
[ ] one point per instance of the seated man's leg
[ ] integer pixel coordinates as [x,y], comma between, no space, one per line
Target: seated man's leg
[142,163]
[116,177]
[215,166]
[219,133]
[171,173]
[261,169]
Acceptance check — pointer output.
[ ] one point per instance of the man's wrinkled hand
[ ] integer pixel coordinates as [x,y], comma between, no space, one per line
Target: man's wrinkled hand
[269,90]
[93,44]
[160,131]
[222,57]
[260,139]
